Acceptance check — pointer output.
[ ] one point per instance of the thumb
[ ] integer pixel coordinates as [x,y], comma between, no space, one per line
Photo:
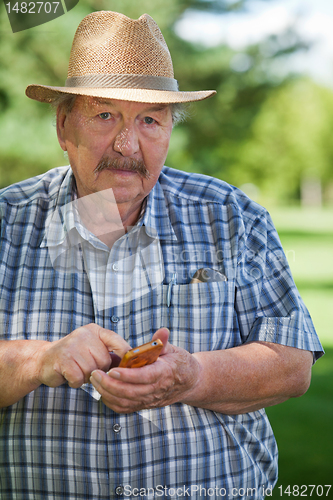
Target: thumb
[163,335]
[113,342]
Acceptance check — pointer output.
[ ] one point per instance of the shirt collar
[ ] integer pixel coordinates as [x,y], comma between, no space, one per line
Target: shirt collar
[61,218]
[154,215]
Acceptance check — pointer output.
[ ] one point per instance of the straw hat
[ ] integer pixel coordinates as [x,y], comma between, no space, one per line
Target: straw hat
[116,57]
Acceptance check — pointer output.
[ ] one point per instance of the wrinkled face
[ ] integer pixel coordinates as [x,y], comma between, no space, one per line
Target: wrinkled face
[102,138]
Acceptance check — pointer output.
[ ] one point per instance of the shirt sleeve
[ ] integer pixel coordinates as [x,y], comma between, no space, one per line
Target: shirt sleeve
[268,304]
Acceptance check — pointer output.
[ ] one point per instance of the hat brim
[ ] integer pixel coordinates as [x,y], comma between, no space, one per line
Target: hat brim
[44,93]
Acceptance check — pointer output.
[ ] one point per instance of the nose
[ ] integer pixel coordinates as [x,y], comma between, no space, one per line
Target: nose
[126,142]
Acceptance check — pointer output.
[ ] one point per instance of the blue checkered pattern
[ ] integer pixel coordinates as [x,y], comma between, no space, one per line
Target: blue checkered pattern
[62,443]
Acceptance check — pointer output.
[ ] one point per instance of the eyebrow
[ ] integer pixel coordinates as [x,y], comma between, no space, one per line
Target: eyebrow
[102,101]
[158,107]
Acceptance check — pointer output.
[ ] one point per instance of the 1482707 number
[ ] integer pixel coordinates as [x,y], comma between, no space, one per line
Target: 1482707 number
[33,7]
[305,490]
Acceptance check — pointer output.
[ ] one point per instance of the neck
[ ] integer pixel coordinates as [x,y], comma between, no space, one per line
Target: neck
[106,219]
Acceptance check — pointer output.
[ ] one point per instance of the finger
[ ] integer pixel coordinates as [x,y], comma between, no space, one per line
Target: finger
[118,404]
[145,375]
[118,388]
[113,341]
[123,406]
[122,397]
[74,376]
[107,347]
[163,335]
[90,356]
[77,363]
[85,347]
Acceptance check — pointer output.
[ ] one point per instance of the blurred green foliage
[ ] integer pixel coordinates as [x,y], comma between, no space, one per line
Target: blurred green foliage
[303,430]
[303,426]
[290,139]
[260,128]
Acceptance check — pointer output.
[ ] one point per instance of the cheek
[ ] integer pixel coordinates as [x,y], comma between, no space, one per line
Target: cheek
[81,141]
[157,151]
[82,163]
[84,152]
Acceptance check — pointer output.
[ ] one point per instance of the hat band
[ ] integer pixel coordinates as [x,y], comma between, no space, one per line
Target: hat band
[124,81]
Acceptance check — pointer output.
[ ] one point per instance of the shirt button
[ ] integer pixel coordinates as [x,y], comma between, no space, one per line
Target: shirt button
[115,267]
[116,428]
[119,490]
[114,319]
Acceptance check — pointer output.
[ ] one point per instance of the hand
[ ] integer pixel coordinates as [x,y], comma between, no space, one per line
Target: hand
[167,381]
[73,358]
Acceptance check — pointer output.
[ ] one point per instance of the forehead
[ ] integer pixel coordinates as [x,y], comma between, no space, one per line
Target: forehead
[92,104]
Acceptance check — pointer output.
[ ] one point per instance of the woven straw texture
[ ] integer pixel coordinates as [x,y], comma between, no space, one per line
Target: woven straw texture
[116,57]
[138,47]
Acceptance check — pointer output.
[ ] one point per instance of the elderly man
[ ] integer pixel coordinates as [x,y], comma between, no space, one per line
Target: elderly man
[100,256]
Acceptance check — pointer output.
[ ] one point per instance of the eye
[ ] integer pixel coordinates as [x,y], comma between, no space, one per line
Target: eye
[105,115]
[148,120]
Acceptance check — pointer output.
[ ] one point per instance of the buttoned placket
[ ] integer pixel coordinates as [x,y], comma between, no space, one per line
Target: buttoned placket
[104,277]
[117,276]
[121,274]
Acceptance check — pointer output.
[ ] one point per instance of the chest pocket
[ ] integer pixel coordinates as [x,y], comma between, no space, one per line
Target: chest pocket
[201,316]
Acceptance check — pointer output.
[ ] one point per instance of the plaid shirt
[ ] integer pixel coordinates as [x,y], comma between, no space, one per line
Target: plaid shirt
[63,443]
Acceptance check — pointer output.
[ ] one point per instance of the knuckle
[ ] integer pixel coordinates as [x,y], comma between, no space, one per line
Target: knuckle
[74,383]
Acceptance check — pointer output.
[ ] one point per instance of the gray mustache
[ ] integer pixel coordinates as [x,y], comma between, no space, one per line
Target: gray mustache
[123,164]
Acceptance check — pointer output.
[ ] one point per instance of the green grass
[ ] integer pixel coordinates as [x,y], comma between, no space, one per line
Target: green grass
[309,219]
[304,426]
[307,238]
[310,257]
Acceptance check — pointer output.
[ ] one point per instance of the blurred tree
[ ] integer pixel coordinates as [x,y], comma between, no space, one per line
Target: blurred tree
[37,55]
[290,141]
[243,80]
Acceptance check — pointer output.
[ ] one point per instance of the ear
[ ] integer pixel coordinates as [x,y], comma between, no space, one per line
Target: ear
[61,119]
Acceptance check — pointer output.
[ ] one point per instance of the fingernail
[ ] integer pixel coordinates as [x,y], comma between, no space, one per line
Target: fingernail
[114,374]
[95,377]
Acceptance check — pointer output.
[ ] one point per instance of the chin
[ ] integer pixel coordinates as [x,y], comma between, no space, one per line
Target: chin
[124,196]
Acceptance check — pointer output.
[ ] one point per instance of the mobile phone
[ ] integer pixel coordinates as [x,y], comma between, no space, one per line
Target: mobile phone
[142,355]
